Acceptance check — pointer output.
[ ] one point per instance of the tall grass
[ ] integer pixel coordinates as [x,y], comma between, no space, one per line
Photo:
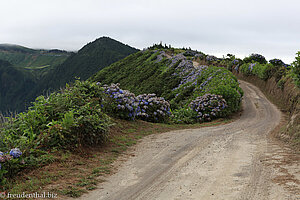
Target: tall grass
[6,118]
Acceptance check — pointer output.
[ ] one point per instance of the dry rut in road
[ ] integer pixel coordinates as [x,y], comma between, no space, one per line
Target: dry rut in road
[232,161]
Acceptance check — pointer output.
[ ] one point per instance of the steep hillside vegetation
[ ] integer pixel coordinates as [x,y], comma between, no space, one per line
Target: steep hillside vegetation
[175,75]
[14,86]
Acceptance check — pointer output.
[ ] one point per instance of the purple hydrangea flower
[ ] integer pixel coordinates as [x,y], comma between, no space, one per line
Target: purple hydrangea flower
[15,153]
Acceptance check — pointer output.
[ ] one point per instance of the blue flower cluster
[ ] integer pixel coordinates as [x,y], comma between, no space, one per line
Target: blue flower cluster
[251,65]
[236,68]
[187,71]
[235,62]
[277,62]
[201,56]
[174,59]
[7,156]
[208,106]
[161,56]
[211,58]
[126,105]
[124,102]
[152,108]
[256,58]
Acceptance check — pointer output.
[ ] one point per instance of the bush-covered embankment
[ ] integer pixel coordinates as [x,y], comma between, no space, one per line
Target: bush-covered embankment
[280,82]
[175,75]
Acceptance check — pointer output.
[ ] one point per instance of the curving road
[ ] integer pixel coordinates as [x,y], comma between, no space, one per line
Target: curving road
[232,161]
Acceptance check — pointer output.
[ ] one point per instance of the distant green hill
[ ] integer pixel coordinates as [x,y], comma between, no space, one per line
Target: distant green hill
[40,71]
[87,61]
[36,61]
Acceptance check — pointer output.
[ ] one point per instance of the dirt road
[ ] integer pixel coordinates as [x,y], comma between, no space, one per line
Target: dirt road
[232,161]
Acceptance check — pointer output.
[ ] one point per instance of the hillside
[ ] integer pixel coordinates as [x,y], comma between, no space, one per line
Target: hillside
[36,61]
[47,70]
[174,74]
[87,61]
[14,86]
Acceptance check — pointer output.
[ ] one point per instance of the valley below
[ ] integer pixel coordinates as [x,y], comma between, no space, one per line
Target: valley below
[233,161]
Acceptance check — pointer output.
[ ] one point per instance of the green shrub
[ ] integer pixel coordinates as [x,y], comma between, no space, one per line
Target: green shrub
[246,68]
[296,70]
[281,83]
[263,71]
[255,58]
[68,119]
[184,116]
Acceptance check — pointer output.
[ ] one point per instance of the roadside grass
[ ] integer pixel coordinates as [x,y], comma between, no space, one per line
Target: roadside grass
[71,174]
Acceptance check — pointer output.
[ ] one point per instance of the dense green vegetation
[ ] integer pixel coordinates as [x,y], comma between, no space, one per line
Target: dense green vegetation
[139,73]
[40,71]
[264,70]
[296,70]
[68,119]
[14,85]
[22,70]
[173,77]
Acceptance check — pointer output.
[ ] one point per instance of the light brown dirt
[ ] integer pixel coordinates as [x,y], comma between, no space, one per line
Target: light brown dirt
[232,161]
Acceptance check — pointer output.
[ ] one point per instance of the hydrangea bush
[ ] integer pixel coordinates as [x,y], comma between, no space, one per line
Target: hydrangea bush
[208,106]
[126,105]
[255,58]
[153,108]
[213,80]
[211,58]
[121,103]
[277,62]
[8,162]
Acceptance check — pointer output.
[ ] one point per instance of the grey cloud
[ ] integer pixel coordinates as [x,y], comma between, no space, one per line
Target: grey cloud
[212,26]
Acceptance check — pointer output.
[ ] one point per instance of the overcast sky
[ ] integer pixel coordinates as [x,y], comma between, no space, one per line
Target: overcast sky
[218,27]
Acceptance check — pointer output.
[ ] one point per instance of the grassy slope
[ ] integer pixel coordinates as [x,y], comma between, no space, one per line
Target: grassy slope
[140,74]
